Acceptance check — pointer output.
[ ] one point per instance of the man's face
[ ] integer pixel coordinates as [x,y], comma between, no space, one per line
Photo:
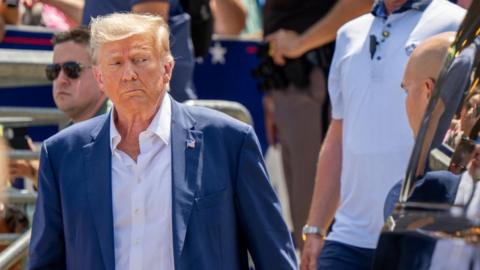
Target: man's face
[74,96]
[470,113]
[418,96]
[132,73]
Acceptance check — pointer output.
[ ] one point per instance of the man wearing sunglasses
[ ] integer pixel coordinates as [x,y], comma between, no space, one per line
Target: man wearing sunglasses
[75,90]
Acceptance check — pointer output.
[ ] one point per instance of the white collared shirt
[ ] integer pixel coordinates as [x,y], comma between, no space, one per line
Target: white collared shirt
[365,93]
[142,197]
[469,193]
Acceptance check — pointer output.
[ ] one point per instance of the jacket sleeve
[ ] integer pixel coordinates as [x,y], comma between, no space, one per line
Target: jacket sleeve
[47,246]
[258,210]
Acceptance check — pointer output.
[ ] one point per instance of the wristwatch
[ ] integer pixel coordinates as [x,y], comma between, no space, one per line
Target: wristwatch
[307,229]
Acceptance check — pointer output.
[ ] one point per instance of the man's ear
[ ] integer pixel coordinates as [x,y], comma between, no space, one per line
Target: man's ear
[430,85]
[168,69]
[98,77]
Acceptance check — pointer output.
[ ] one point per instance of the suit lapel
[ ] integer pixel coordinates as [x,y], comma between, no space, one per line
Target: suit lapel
[186,150]
[99,189]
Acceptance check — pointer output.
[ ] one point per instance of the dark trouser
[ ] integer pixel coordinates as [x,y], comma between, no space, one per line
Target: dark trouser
[339,256]
[298,114]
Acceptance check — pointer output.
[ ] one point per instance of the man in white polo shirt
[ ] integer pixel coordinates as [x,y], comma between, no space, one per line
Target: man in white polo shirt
[369,140]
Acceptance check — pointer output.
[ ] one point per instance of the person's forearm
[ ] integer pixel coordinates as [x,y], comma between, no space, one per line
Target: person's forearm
[326,194]
[159,8]
[73,9]
[230,16]
[324,31]
[11,15]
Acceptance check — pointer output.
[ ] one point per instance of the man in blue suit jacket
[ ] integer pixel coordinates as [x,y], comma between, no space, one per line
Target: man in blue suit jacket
[154,184]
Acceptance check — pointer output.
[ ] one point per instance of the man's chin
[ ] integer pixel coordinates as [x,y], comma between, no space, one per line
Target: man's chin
[135,103]
[63,101]
[65,108]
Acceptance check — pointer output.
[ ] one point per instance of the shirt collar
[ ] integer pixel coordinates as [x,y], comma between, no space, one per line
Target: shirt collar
[160,125]
[379,9]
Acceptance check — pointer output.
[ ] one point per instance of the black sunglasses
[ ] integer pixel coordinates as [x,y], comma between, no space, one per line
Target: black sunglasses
[71,69]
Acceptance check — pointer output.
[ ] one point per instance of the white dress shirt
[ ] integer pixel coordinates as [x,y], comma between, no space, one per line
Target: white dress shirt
[365,93]
[469,193]
[142,197]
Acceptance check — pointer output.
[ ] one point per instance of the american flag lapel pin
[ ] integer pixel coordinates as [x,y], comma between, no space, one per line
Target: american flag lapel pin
[191,143]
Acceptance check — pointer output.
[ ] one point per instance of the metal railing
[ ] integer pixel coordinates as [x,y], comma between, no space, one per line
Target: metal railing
[23,154]
[232,108]
[14,117]
[18,244]
[16,251]
[11,117]
[8,238]
[19,67]
[19,197]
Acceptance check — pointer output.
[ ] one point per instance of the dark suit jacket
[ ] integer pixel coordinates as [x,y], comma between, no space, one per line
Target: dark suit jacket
[433,187]
[222,201]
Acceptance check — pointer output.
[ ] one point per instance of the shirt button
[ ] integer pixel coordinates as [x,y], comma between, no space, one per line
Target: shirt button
[137,211]
[389,25]
[379,58]
[137,242]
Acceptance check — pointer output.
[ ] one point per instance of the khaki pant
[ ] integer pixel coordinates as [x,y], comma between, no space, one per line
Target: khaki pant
[299,117]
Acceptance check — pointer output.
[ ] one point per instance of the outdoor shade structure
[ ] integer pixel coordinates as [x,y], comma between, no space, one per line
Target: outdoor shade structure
[426,231]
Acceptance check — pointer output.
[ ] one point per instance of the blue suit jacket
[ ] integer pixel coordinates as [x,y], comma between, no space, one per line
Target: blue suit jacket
[434,187]
[222,201]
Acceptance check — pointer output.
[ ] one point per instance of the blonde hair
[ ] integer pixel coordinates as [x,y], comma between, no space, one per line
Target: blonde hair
[118,26]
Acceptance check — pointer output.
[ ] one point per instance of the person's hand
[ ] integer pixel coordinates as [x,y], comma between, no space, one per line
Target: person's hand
[25,168]
[455,125]
[469,120]
[2,28]
[311,250]
[474,164]
[30,3]
[270,124]
[22,168]
[284,43]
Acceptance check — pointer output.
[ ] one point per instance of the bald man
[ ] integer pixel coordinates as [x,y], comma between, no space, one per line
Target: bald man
[419,79]
[420,75]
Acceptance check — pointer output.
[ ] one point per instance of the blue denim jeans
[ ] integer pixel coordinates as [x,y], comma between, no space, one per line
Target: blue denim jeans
[339,256]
